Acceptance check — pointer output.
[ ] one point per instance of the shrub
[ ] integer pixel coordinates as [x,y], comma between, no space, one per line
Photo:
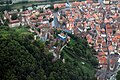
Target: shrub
[14,16]
[56,9]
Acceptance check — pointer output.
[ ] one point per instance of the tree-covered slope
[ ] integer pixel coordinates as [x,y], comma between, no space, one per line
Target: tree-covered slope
[22,58]
[80,55]
[118,75]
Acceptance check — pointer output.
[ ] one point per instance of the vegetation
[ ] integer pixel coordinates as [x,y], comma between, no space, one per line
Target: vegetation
[23,58]
[56,9]
[5,8]
[51,7]
[118,75]
[24,8]
[14,16]
[6,2]
[41,10]
[9,2]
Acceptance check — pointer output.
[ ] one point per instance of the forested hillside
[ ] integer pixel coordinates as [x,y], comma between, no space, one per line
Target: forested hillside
[118,75]
[23,58]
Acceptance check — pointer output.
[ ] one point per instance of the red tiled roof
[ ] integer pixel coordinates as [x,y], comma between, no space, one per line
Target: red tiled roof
[117,36]
[59,5]
[76,3]
[71,19]
[14,21]
[99,41]
[101,53]
[104,49]
[103,30]
[114,39]
[103,43]
[41,17]
[110,48]
[102,59]
[97,28]
[106,21]
[34,21]
[108,26]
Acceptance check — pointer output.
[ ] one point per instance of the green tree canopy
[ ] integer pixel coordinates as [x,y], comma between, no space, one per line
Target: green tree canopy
[5,8]
[118,75]
[14,16]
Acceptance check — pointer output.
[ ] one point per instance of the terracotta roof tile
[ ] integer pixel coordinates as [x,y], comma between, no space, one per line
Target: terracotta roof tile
[110,48]
[102,59]
[14,21]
